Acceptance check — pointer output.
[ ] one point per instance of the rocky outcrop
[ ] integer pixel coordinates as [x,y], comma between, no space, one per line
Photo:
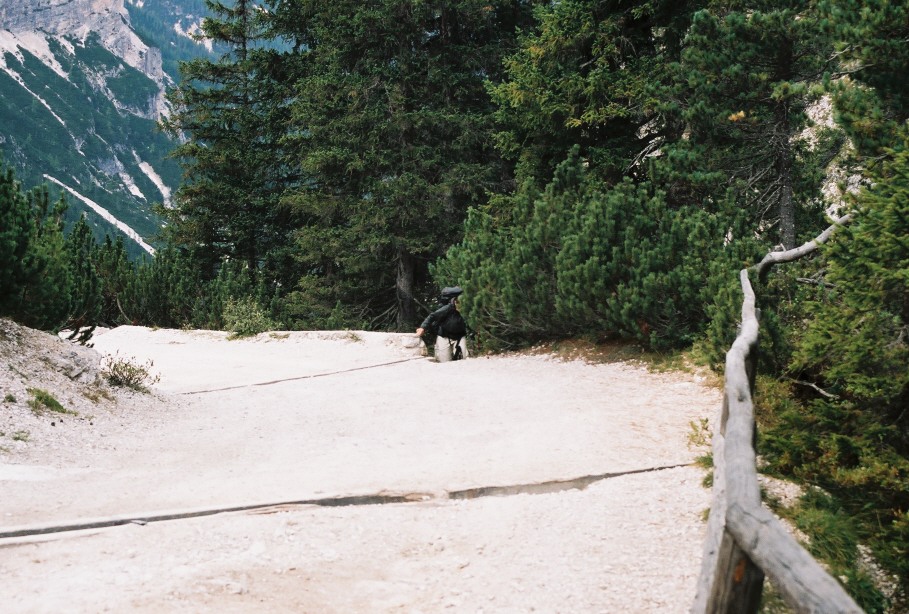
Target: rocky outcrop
[78,132]
[79,18]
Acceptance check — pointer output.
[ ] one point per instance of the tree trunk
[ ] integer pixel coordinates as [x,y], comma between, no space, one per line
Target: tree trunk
[784,131]
[786,204]
[407,315]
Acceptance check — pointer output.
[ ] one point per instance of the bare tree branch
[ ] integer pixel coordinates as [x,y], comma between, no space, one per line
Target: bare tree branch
[795,253]
[815,387]
[814,282]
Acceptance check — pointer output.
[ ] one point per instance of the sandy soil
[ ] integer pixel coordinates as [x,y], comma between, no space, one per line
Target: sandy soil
[344,417]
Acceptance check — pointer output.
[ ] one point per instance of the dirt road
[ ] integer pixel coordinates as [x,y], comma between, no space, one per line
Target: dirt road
[356,418]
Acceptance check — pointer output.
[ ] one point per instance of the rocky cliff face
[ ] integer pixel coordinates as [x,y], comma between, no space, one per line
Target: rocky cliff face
[77,20]
[80,95]
[82,86]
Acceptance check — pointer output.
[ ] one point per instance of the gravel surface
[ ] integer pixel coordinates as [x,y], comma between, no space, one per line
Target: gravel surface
[279,419]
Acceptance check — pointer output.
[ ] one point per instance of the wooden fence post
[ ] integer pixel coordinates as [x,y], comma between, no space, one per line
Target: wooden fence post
[744,541]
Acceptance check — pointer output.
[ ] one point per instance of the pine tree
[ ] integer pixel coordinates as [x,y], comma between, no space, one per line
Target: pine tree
[392,124]
[852,437]
[15,235]
[114,269]
[872,102]
[226,206]
[745,79]
[581,259]
[85,293]
[164,290]
[44,301]
[849,433]
[590,74]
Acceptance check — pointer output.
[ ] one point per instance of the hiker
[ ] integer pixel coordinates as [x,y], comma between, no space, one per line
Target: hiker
[447,324]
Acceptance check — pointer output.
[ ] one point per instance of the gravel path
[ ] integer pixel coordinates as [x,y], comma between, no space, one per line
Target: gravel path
[330,423]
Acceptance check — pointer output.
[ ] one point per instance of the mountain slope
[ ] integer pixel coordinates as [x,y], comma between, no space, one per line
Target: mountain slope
[80,94]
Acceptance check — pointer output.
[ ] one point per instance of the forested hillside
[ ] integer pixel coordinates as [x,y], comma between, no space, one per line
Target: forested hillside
[581,168]
[80,96]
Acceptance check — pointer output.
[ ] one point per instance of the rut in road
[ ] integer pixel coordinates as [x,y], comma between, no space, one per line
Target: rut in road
[538,488]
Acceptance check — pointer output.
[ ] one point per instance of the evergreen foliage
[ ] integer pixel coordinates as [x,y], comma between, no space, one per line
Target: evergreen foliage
[872,38]
[577,260]
[43,301]
[224,207]
[115,270]
[745,78]
[854,440]
[849,433]
[590,74]
[55,280]
[15,237]
[85,293]
[392,124]
[48,282]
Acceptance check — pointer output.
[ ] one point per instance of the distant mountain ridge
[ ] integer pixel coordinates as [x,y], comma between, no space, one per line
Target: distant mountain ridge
[81,90]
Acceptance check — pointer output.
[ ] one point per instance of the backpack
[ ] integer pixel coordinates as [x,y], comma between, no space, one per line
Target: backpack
[453,326]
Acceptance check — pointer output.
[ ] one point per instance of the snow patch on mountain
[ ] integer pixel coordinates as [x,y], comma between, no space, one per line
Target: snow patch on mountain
[30,25]
[127,180]
[105,214]
[18,79]
[35,43]
[154,177]
[191,32]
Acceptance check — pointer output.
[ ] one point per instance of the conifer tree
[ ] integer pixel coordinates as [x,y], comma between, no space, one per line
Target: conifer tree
[226,205]
[15,235]
[85,292]
[44,300]
[164,290]
[850,433]
[114,269]
[872,102]
[392,124]
[581,259]
[47,280]
[745,79]
[591,74]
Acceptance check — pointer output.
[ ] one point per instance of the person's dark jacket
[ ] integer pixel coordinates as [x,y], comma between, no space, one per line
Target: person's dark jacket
[446,321]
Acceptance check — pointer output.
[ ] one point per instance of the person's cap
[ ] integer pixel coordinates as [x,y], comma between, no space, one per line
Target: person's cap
[452,292]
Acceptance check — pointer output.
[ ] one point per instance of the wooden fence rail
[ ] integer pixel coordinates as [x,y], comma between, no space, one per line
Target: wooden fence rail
[744,540]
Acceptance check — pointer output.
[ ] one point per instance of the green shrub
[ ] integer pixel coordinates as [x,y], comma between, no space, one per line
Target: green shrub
[127,373]
[834,539]
[43,400]
[580,258]
[847,429]
[245,318]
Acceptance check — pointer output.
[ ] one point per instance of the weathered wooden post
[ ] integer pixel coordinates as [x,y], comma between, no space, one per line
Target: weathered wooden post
[744,540]
[730,582]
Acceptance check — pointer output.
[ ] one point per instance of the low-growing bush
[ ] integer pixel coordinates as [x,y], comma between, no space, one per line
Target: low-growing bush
[43,400]
[128,373]
[245,318]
